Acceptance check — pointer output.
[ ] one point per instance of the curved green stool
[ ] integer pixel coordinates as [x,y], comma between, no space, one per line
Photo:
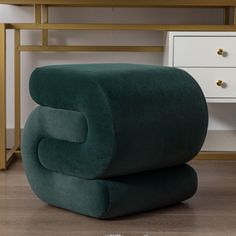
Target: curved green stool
[112,139]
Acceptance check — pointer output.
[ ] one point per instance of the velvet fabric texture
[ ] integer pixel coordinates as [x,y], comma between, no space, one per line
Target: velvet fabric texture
[112,139]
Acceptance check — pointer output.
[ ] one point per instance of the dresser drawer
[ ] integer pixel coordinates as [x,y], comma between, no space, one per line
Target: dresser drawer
[207,78]
[202,51]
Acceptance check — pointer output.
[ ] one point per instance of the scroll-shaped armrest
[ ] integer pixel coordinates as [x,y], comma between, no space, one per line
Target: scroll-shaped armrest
[138,118]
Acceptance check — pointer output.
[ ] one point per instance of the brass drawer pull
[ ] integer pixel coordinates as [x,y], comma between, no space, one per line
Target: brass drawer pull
[219,83]
[220,51]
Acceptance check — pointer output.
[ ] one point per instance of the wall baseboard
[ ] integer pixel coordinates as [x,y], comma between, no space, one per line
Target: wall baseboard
[220,141]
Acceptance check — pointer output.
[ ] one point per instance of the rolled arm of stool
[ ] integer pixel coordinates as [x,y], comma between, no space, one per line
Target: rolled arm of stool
[127,118]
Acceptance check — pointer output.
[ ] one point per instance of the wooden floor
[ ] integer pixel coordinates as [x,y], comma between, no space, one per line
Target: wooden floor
[212,211]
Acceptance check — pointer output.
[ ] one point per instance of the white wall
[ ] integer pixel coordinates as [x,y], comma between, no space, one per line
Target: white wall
[222,116]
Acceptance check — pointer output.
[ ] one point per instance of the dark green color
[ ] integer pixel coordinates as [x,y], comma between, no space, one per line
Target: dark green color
[100,121]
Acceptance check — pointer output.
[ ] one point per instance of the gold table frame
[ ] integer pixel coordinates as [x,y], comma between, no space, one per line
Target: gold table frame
[41,23]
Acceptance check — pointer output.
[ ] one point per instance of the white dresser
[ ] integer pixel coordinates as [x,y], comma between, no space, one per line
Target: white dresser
[210,57]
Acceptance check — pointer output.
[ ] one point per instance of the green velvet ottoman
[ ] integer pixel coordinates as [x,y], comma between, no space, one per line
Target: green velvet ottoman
[113,139]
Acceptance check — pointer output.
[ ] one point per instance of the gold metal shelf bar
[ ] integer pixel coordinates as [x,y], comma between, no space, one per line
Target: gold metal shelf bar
[125,3]
[142,27]
[91,48]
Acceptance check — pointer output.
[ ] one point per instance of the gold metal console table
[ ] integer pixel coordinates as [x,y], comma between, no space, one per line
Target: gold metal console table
[41,23]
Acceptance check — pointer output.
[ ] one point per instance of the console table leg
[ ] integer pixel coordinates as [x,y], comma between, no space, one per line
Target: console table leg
[227,15]
[17,90]
[3,163]
[37,14]
[234,16]
[44,21]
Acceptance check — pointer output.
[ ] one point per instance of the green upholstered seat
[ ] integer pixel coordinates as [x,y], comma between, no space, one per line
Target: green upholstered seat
[112,139]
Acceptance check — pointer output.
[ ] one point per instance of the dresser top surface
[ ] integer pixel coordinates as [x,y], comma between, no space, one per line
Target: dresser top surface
[127,3]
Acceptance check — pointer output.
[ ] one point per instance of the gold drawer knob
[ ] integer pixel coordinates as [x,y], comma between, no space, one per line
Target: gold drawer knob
[219,83]
[220,51]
